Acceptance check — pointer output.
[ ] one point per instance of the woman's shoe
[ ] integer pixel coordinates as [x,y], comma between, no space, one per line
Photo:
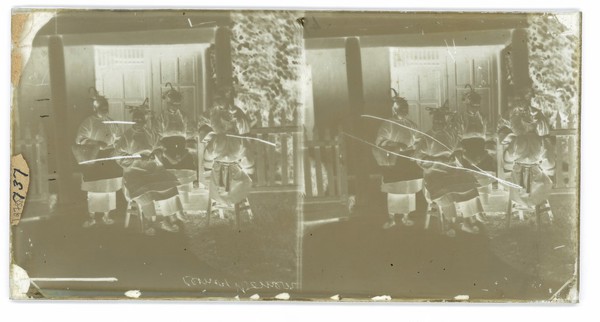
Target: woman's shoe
[181,217]
[166,226]
[107,220]
[407,222]
[481,217]
[150,231]
[89,223]
[389,224]
[469,228]
[451,233]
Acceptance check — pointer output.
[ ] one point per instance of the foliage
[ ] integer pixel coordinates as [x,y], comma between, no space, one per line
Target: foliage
[267,53]
[554,60]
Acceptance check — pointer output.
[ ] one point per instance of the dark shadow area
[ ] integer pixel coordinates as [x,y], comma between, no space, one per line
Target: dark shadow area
[357,258]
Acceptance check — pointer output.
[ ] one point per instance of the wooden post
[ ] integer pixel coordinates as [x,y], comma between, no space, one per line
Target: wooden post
[503,112]
[63,143]
[520,61]
[224,65]
[284,158]
[509,213]
[360,152]
[210,78]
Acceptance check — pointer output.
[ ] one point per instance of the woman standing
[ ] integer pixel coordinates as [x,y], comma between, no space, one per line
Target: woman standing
[102,177]
[402,178]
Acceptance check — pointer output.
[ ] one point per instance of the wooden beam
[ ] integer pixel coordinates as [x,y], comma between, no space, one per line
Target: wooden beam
[357,24]
[154,37]
[500,37]
[73,21]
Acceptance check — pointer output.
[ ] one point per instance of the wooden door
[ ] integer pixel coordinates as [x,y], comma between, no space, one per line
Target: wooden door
[182,67]
[477,68]
[127,75]
[419,75]
[426,77]
[122,76]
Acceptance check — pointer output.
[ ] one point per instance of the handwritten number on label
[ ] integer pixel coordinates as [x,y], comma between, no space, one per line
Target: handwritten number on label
[17,183]
[15,170]
[16,194]
[18,187]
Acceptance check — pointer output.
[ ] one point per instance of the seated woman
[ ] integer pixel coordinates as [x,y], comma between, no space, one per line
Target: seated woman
[177,148]
[228,160]
[473,150]
[452,189]
[530,155]
[145,178]
[177,136]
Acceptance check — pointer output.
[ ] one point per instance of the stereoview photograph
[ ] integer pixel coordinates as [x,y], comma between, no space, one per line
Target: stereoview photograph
[295,155]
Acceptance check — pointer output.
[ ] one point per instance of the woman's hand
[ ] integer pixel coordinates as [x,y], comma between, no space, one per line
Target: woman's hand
[157,153]
[425,162]
[126,162]
[508,139]
[394,146]
[457,154]
[146,155]
[100,144]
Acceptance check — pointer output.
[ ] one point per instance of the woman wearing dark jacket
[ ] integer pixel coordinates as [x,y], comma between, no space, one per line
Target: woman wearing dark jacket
[402,178]
[95,140]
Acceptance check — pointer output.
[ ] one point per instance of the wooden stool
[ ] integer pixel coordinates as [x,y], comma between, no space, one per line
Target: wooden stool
[430,213]
[243,205]
[158,199]
[134,209]
[538,210]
